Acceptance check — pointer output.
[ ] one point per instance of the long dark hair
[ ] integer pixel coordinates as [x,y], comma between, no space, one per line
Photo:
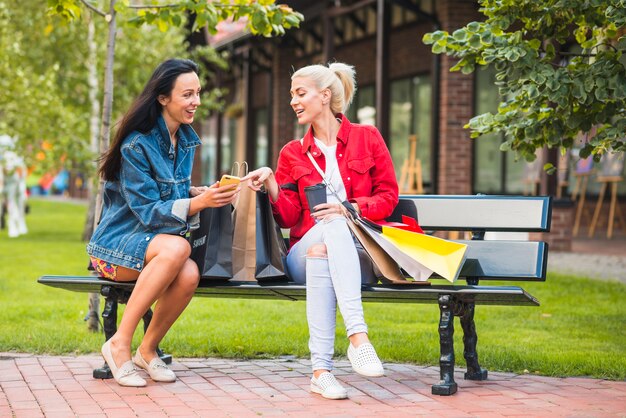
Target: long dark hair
[144,112]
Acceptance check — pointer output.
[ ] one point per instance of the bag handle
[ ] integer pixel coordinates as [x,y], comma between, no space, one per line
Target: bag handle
[237,167]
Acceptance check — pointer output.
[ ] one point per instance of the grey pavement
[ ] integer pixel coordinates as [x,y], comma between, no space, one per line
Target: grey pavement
[596,258]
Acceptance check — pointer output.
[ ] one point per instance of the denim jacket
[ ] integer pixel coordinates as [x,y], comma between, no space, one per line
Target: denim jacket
[151,196]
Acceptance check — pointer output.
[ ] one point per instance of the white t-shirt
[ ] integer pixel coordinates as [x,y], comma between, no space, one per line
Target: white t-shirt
[333,176]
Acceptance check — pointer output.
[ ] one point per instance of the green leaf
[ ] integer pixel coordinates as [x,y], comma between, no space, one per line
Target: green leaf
[486,37]
[534,44]
[474,41]
[438,49]
[473,27]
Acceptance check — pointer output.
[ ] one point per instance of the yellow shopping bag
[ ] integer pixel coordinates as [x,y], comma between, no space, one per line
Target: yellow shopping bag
[442,256]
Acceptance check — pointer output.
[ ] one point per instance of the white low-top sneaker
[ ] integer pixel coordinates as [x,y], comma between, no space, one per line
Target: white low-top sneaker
[365,361]
[327,386]
[157,369]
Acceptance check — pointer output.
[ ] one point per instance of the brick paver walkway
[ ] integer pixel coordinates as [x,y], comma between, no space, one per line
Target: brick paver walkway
[36,386]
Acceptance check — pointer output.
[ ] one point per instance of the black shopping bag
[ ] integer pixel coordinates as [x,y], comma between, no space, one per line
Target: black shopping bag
[271,249]
[211,244]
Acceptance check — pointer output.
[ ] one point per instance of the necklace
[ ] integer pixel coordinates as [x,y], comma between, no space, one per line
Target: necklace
[173,139]
[174,143]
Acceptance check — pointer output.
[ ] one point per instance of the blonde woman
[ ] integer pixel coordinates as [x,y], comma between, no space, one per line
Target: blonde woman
[356,165]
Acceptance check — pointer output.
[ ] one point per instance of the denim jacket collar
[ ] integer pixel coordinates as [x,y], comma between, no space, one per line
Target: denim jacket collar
[187,138]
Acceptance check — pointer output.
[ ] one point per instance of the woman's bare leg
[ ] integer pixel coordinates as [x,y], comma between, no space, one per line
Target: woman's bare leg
[165,258]
[169,307]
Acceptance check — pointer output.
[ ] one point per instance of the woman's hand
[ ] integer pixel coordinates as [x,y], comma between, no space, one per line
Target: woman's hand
[263,176]
[212,196]
[258,177]
[324,210]
[197,190]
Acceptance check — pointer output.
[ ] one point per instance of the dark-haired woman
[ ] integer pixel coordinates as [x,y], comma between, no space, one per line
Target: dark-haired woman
[149,206]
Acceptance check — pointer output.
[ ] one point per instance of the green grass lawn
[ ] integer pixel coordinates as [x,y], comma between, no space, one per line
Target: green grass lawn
[578,330]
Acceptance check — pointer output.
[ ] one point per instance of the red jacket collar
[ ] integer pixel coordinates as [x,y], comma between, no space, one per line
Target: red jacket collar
[342,135]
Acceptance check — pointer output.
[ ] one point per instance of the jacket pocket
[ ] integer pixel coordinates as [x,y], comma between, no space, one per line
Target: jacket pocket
[299,171]
[362,165]
[165,190]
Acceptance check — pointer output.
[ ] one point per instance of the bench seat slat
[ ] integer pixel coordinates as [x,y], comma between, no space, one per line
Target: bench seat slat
[484,295]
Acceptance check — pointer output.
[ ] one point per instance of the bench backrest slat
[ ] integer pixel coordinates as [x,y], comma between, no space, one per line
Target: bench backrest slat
[505,260]
[488,213]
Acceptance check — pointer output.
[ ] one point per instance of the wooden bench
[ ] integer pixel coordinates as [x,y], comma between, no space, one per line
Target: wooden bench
[509,260]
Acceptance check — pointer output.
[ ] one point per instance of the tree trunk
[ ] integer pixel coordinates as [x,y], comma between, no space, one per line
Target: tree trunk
[105,132]
[93,324]
[107,101]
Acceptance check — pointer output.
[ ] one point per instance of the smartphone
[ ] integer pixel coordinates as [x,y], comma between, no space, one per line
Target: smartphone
[228,180]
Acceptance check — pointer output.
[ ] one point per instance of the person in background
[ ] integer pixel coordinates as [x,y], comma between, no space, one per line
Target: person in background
[323,253]
[14,183]
[149,207]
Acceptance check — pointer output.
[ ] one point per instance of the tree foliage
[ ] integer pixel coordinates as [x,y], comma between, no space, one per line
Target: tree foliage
[559,68]
[43,81]
[264,17]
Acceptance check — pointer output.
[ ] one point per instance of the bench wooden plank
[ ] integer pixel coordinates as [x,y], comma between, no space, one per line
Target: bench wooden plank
[476,212]
[484,295]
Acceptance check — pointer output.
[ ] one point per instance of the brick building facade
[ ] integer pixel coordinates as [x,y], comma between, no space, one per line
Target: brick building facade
[408,89]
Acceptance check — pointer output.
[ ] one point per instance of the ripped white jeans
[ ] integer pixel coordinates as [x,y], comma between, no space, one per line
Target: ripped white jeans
[331,281]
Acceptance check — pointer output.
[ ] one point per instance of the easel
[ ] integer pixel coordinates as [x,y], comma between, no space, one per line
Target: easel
[613,180]
[411,173]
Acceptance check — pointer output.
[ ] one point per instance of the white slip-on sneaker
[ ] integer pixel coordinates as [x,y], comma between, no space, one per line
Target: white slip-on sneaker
[157,369]
[327,386]
[126,374]
[365,361]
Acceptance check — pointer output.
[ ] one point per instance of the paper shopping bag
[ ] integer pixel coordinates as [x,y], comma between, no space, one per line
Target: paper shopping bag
[414,268]
[211,243]
[258,250]
[442,256]
[244,236]
[387,266]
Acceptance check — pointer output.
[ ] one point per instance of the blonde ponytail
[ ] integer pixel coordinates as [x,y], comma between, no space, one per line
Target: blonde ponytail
[338,77]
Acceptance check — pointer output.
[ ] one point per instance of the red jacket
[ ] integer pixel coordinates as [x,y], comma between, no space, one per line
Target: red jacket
[365,166]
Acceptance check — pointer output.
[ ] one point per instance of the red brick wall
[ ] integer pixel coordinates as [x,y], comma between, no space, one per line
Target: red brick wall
[456,108]
[560,236]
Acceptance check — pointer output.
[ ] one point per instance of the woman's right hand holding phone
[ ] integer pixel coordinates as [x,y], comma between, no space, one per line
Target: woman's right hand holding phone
[213,196]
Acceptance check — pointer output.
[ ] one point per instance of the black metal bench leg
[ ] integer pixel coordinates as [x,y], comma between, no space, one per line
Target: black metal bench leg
[470,339]
[109,324]
[447,385]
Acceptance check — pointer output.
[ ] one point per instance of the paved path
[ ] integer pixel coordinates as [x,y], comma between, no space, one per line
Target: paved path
[595,266]
[41,386]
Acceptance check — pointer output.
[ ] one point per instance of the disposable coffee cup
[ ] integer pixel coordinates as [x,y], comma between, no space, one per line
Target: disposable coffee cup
[315,195]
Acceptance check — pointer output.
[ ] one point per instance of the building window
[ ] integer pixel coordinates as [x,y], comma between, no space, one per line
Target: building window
[209,150]
[410,115]
[496,171]
[363,110]
[262,140]
[227,143]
